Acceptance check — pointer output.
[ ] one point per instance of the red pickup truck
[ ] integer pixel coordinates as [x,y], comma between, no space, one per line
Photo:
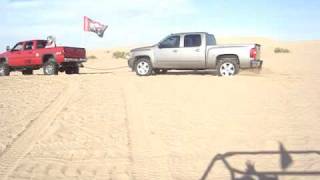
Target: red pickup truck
[32,55]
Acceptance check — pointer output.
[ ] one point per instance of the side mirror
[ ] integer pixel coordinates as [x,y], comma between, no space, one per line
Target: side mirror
[8,48]
[160,46]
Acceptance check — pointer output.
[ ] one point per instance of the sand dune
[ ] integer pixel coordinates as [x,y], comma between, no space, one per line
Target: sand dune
[108,123]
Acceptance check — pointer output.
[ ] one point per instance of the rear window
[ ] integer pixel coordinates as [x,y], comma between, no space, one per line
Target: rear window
[41,44]
[211,40]
[192,40]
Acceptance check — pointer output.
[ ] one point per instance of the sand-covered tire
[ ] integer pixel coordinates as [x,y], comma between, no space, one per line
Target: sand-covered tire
[228,67]
[72,70]
[27,72]
[4,69]
[143,67]
[50,67]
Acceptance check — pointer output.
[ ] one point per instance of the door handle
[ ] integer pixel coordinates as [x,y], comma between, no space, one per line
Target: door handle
[197,50]
[175,51]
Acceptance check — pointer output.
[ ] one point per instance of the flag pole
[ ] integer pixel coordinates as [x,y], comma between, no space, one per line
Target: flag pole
[82,39]
[82,33]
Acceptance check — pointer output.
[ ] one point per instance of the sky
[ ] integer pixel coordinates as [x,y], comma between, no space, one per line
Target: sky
[133,22]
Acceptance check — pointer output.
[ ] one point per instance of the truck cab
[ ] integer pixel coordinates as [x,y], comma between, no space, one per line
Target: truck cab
[182,51]
[24,53]
[27,56]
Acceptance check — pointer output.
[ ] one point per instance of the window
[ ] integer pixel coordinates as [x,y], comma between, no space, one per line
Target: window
[211,41]
[18,47]
[192,40]
[41,44]
[28,45]
[171,42]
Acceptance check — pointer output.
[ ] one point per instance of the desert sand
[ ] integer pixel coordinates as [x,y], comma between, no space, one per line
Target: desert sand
[108,123]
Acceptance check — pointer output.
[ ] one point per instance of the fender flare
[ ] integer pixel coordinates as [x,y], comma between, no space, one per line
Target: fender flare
[139,57]
[222,56]
[44,55]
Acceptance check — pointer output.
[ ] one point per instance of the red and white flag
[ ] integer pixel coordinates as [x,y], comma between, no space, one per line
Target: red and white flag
[94,26]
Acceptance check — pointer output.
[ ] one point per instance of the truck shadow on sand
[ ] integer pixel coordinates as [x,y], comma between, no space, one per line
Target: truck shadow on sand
[191,72]
[250,173]
[245,72]
[94,73]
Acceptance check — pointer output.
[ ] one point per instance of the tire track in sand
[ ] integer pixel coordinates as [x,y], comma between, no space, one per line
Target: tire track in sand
[33,132]
[149,155]
[130,150]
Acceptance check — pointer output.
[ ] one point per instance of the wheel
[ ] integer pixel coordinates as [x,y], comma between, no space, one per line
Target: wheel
[50,67]
[72,70]
[228,67]
[4,69]
[143,67]
[27,72]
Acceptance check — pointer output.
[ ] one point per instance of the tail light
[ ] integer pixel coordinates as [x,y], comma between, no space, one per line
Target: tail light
[63,52]
[253,53]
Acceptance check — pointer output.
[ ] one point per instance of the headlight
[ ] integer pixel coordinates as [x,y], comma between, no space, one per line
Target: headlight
[129,55]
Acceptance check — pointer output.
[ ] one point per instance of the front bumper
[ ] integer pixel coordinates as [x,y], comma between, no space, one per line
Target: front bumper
[256,64]
[130,62]
[76,60]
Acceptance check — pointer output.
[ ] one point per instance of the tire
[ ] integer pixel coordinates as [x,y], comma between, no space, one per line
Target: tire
[4,69]
[143,67]
[228,67]
[50,67]
[72,70]
[76,70]
[27,72]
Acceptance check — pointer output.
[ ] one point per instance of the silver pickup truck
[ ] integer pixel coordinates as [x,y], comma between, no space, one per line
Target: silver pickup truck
[194,51]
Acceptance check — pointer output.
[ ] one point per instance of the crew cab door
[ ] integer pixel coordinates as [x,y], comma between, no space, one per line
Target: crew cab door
[28,53]
[15,56]
[38,50]
[182,52]
[193,52]
[167,53]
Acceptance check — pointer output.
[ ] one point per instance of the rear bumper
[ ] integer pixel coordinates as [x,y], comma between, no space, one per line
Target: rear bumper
[75,60]
[256,64]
